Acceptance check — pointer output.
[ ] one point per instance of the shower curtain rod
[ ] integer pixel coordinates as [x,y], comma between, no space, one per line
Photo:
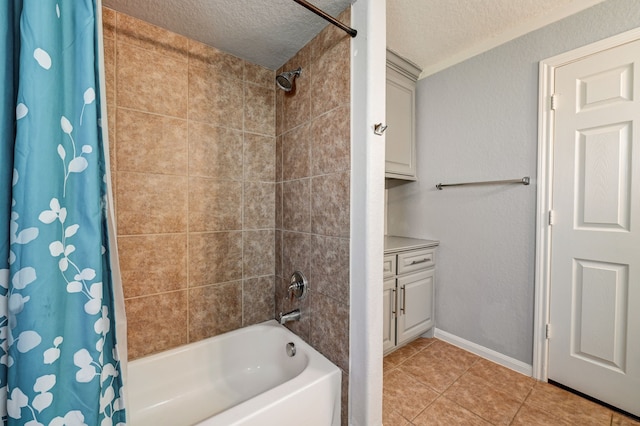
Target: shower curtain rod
[523,181]
[328,17]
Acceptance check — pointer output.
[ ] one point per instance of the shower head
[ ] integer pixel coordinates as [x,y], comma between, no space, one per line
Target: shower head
[285,80]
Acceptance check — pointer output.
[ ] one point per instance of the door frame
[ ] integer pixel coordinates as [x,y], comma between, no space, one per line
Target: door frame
[546,84]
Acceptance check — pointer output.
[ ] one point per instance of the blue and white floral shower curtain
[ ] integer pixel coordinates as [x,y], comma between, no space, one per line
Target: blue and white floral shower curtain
[59,362]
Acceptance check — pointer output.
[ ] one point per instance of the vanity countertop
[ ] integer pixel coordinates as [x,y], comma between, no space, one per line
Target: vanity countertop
[393,244]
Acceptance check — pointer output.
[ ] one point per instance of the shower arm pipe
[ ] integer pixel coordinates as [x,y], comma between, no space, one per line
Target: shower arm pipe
[328,17]
[524,181]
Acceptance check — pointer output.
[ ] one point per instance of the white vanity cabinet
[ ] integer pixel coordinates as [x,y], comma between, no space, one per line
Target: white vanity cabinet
[409,286]
[400,157]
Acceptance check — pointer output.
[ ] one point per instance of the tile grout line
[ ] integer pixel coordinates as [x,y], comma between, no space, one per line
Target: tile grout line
[521,405]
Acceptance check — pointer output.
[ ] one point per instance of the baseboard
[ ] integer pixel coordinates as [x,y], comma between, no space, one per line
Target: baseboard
[486,353]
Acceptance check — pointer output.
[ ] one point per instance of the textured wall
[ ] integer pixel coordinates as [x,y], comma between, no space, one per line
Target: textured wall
[478,121]
[313,193]
[193,150]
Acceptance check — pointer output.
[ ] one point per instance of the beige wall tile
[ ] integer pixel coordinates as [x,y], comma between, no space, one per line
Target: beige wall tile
[258,253]
[258,300]
[229,200]
[156,323]
[110,67]
[214,310]
[329,86]
[144,35]
[214,257]
[329,270]
[278,253]
[278,206]
[214,205]
[295,253]
[151,143]
[215,98]
[279,159]
[153,264]
[151,204]
[150,81]
[259,109]
[215,152]
[344,396]
[296,196]
[259,205]
[109,23]
[218,61]
[296,104]
[296,153]
[330,36]
[330,329]
[330,204]
[279,112]
[110,81]
[331,142]
[259,158]
[259,75]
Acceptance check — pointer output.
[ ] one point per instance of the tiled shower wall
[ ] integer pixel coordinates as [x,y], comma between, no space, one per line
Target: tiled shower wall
[313,193]
[193,152]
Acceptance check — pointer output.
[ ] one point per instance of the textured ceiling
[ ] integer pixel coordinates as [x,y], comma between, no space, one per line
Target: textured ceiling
[435,34]
[432,33]
[265,32]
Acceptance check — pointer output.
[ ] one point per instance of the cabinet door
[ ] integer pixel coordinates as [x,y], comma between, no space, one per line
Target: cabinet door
[415,314]
[400,135]
[389,325]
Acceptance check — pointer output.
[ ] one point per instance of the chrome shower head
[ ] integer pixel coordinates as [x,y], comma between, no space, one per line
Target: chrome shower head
[285,80]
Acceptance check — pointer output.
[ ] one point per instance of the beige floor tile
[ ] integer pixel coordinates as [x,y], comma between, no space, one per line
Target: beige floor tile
[423,342]
[483,399]
[453,354]
[400,355]
[435,367]
[405,394]
[391,417]
[620,420]
[444,412]
[430,382]
[567,406]
[511,382]
[528,416]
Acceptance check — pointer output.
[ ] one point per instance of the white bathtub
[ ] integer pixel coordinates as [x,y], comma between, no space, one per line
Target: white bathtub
[244,377]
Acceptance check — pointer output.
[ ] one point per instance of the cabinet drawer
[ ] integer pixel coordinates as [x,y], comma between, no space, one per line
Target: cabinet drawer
[415,260]
[389,266]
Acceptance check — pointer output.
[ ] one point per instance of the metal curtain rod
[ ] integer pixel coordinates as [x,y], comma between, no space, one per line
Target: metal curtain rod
[524,181]
[328,17]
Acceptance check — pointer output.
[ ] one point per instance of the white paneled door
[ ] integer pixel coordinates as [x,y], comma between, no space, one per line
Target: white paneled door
[594,319]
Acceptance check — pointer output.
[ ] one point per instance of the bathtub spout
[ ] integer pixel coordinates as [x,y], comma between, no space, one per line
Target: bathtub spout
[289,316]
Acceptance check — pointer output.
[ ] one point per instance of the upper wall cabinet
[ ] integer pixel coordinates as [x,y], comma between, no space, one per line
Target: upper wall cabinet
[401,134]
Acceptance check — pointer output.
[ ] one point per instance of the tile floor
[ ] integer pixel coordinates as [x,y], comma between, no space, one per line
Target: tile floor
[430,382]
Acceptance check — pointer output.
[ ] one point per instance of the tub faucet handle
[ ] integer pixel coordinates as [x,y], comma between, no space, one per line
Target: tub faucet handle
[298,286]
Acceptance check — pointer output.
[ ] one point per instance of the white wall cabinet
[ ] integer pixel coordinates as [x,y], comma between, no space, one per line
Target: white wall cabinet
[400,159]
[409,287]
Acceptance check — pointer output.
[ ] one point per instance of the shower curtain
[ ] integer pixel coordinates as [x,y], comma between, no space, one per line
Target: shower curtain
[59,359]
